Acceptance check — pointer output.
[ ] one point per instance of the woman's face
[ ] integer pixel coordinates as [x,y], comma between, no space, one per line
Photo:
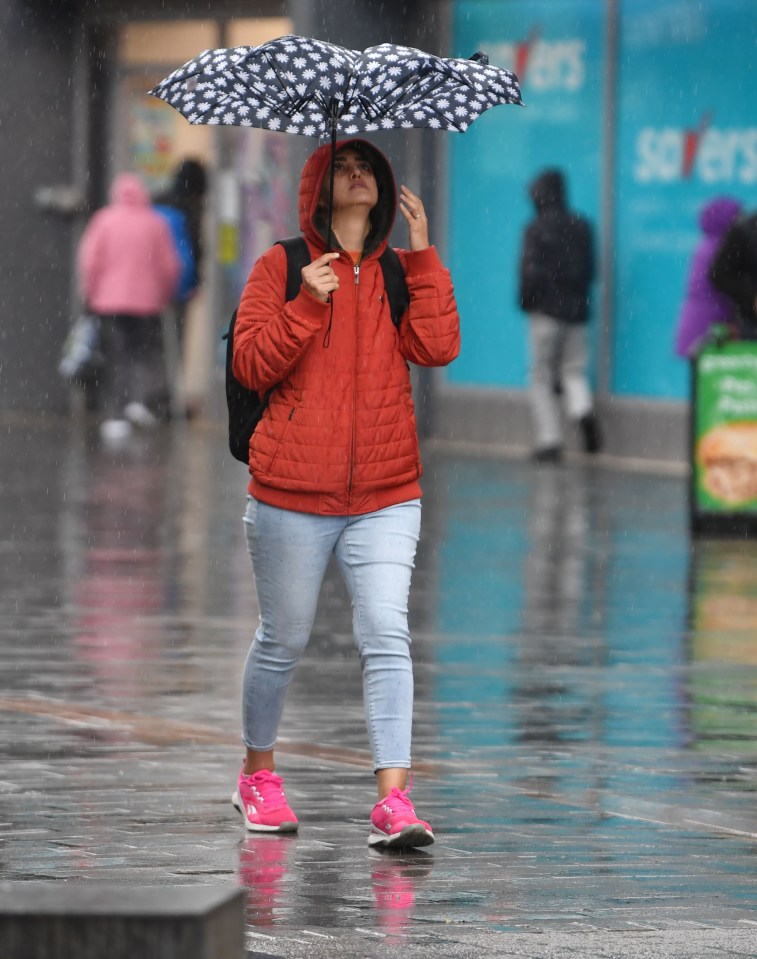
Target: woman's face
[355,184]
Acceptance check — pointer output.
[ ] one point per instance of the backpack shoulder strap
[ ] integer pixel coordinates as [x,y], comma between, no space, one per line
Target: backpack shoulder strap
[395,283]
[298,256]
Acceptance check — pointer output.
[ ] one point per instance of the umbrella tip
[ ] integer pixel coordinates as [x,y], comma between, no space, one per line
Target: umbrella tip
[481,58]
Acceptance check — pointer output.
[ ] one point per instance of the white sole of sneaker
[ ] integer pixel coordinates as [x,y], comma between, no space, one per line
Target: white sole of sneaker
[409,838]
[259,827]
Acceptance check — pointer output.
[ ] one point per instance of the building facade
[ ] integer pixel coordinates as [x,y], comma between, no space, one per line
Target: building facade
[644,104]
[646,107]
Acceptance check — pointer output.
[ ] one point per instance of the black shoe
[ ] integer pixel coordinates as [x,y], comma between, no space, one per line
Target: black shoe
[591,433]
[547,454]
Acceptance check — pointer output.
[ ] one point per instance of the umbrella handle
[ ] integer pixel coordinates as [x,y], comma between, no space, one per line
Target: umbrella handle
[333,121]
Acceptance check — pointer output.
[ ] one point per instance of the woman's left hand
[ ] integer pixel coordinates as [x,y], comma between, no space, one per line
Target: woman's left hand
[412,210]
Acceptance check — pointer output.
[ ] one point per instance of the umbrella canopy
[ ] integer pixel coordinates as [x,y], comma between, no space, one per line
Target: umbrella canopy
[299,85]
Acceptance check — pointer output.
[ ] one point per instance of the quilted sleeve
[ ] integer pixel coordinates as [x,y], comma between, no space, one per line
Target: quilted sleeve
[430,330]
[270,334]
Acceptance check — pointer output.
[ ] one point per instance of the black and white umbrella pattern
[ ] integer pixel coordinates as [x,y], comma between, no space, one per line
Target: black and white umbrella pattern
[310,87]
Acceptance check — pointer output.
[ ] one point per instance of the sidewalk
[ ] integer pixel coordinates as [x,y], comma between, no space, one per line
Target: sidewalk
[586,707]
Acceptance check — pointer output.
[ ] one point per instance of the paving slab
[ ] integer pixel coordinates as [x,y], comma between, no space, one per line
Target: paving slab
[81,920]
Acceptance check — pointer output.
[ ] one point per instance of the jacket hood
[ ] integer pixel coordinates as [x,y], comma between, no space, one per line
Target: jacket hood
[718,214]
[129,190]
[548,189]
[316,170]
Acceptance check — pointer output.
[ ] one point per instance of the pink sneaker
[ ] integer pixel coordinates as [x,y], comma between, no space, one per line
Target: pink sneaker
[395,825]
[262,803]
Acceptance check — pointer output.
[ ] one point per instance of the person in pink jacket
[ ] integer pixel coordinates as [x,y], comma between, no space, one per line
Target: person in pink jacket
[128,270]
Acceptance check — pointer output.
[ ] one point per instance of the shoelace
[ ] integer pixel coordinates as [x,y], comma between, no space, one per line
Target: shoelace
[398,799]
[269,789]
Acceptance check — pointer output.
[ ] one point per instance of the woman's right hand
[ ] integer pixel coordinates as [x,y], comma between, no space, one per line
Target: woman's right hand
[319,279]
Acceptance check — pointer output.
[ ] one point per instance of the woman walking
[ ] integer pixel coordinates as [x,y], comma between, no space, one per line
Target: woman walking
[335,466]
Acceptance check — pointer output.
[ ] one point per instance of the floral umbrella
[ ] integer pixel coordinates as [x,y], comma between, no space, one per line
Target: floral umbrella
[310,87]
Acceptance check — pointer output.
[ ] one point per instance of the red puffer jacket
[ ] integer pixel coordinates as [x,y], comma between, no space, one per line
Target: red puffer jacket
[338,436]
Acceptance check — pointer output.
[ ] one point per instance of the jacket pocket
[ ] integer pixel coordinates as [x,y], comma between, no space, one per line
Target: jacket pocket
[282,440]
[410,435]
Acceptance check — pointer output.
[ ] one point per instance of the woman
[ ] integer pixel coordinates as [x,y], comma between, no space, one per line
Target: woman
[335,466]
[128,270]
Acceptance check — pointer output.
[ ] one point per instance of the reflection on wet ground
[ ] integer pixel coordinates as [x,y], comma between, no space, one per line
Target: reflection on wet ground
[586,702]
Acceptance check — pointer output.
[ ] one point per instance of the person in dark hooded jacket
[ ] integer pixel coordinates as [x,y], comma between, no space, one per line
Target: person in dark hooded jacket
[734,271]
[182,205]
[556,272]
[335,466]
[186,197]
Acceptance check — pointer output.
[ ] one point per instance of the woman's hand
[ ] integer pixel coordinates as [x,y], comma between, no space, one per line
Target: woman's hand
[319,279]
[412,210]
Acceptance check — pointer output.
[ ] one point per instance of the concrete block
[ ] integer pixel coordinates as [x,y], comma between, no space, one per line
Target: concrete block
[88,920]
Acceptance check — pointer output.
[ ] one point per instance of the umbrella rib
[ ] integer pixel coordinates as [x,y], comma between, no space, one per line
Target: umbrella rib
[317,95]
[260,94]
[296,105]
[288,107]
[406,95]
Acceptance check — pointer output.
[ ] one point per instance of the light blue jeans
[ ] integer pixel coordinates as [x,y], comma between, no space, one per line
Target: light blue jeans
[375,553]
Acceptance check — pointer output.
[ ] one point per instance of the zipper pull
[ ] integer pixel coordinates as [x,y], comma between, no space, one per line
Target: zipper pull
[356,268]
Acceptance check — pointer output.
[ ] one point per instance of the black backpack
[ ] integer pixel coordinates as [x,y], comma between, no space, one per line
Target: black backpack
[245,406]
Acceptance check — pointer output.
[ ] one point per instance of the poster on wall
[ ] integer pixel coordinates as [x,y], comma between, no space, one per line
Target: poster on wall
[557,52]
[267,206]
[724,441]
[152,135]
[686,133]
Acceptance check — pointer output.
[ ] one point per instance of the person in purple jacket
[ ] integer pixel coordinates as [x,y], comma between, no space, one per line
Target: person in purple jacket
[704,305]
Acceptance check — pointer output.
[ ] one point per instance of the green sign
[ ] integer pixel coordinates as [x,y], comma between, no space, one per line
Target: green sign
[725,429]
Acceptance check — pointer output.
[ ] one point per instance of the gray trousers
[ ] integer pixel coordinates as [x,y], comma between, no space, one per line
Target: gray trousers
[133,352]
[559,354]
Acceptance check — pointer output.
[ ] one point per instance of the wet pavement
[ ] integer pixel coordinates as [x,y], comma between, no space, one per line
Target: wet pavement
[586,706]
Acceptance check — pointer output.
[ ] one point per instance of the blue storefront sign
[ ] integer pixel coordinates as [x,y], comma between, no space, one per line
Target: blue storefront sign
[556,51]
[681,76]
[686,132]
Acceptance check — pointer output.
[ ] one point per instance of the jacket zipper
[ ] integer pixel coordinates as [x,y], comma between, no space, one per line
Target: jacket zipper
[356,270]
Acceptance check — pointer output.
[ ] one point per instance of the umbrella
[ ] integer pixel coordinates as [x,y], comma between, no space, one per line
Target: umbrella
[310,87]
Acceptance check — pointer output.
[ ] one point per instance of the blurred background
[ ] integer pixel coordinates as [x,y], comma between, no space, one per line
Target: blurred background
[645,105]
